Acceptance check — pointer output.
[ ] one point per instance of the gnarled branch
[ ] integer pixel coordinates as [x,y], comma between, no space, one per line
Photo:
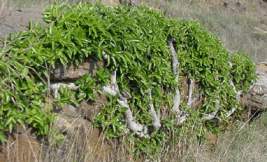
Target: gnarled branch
[180,116]
[155,116]
[212,115]
[191,84]
[112,88]
[133,125]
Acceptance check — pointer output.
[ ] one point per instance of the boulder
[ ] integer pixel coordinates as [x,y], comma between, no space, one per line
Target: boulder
[70,73]
[256,99]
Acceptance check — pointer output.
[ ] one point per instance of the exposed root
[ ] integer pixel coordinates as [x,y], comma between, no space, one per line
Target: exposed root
[55,87]
[238,94]
[180,116]
[133,125]
[112,89]
[212,115]
[191,84]
[230,112]
[155,116]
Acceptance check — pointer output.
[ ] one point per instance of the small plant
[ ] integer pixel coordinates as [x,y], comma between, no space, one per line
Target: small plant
[87,88]
[243,71]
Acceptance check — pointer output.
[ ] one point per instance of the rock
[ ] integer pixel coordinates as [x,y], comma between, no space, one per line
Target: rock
[75,72]
[111,2]
[256,99]
[69,125]
[90,110]
[87,143]
[70,111]
[129,2]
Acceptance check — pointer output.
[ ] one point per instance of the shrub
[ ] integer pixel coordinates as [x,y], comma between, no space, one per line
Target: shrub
[134,40]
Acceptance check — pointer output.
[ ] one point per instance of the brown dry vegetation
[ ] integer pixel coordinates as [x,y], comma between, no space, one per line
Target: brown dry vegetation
[241,25]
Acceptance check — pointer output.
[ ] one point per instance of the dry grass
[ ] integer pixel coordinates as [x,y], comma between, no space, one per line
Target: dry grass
[239,24]
[243,142]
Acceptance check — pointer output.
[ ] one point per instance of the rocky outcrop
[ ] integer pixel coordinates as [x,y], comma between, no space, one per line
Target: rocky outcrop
[70,73]
[256,99]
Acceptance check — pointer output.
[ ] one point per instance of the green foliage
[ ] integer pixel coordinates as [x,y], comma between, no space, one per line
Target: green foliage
[87,86]
[149,146]
[102,77]
[243,71]
[134,40]
[66,96]
[111,119]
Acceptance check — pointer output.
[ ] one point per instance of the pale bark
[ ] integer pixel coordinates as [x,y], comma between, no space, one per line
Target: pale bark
[238,94]
[191,84]
[112,88]
[133,125]
[180,116]
[212,115]
[175,70]
[155,116]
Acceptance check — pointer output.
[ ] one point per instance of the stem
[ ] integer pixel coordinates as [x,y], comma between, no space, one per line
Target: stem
[133,125]
[113,89]
[155,116]
[175,70]
[212,115]
[190,92]
[180,116]
[175,62]
[238,94]
[176,101]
